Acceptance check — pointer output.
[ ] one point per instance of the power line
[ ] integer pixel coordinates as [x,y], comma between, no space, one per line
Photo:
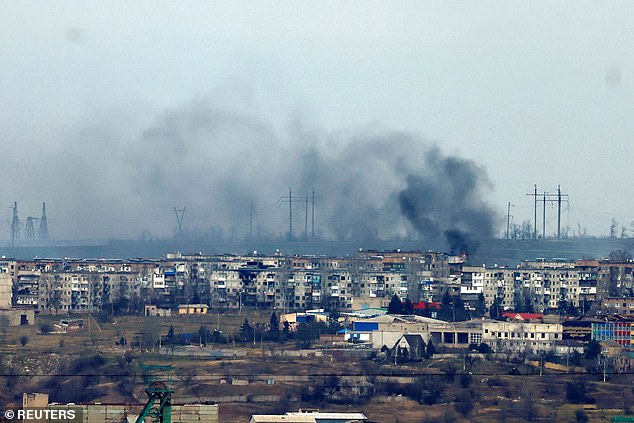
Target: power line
[550,198]
[305,199]
[389,374]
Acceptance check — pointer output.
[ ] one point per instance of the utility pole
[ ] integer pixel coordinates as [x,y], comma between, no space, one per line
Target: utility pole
[290,200]
[508,219]
[313,219]
[558,211]
[251,221]
[544,217]
[560,199]
[535,228]
[306,220]
[544,198]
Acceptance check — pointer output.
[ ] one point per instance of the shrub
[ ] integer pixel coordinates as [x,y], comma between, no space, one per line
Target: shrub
[578,392]
[465,403]
[46,328]
[581,416]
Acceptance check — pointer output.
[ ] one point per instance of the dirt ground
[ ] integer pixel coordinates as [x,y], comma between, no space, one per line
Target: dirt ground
[207,379]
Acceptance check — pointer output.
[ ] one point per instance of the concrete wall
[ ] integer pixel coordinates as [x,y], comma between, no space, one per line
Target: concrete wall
[15,317]
[6,291]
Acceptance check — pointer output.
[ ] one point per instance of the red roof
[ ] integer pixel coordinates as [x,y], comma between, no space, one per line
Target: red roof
[423,305]
[522,316]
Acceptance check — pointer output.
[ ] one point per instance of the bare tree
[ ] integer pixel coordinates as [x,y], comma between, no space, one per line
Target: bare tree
[582,232]
[527,229]
[516,231]
[620,255]
[565,231]
[151,333]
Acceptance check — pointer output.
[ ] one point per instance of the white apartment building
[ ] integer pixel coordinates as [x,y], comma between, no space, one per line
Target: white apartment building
[521,336]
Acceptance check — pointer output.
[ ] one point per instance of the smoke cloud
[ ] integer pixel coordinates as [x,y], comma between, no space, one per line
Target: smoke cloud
[110,181]
[447,199]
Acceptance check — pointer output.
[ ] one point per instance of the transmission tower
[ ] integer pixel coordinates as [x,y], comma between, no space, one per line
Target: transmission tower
[180,215]
[29,229]
[43,231]
[15,224]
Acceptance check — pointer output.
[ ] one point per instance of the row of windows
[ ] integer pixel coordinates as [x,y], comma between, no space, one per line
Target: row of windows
[520,335]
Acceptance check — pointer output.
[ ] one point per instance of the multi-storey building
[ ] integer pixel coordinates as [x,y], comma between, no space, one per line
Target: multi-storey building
[621,306]
[303,282]
[26,289]
[85,291]
[521,336]
[617,330]
[532,286]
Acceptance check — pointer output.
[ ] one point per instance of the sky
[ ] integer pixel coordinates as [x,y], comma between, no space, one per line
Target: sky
[117,112]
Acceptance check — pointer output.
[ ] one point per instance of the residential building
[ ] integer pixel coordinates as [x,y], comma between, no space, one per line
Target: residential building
[516,337]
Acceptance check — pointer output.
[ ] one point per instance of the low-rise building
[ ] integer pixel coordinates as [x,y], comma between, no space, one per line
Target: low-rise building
[192,309]
[515,337]
[156,311]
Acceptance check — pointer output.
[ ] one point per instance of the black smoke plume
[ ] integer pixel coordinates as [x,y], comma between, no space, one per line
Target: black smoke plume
[446,199]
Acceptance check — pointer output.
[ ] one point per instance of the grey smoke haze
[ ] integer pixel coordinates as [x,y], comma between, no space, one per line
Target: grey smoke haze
[112,180]
[506,85]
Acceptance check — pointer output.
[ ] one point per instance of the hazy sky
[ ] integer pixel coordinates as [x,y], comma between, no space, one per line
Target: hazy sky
[109,109]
